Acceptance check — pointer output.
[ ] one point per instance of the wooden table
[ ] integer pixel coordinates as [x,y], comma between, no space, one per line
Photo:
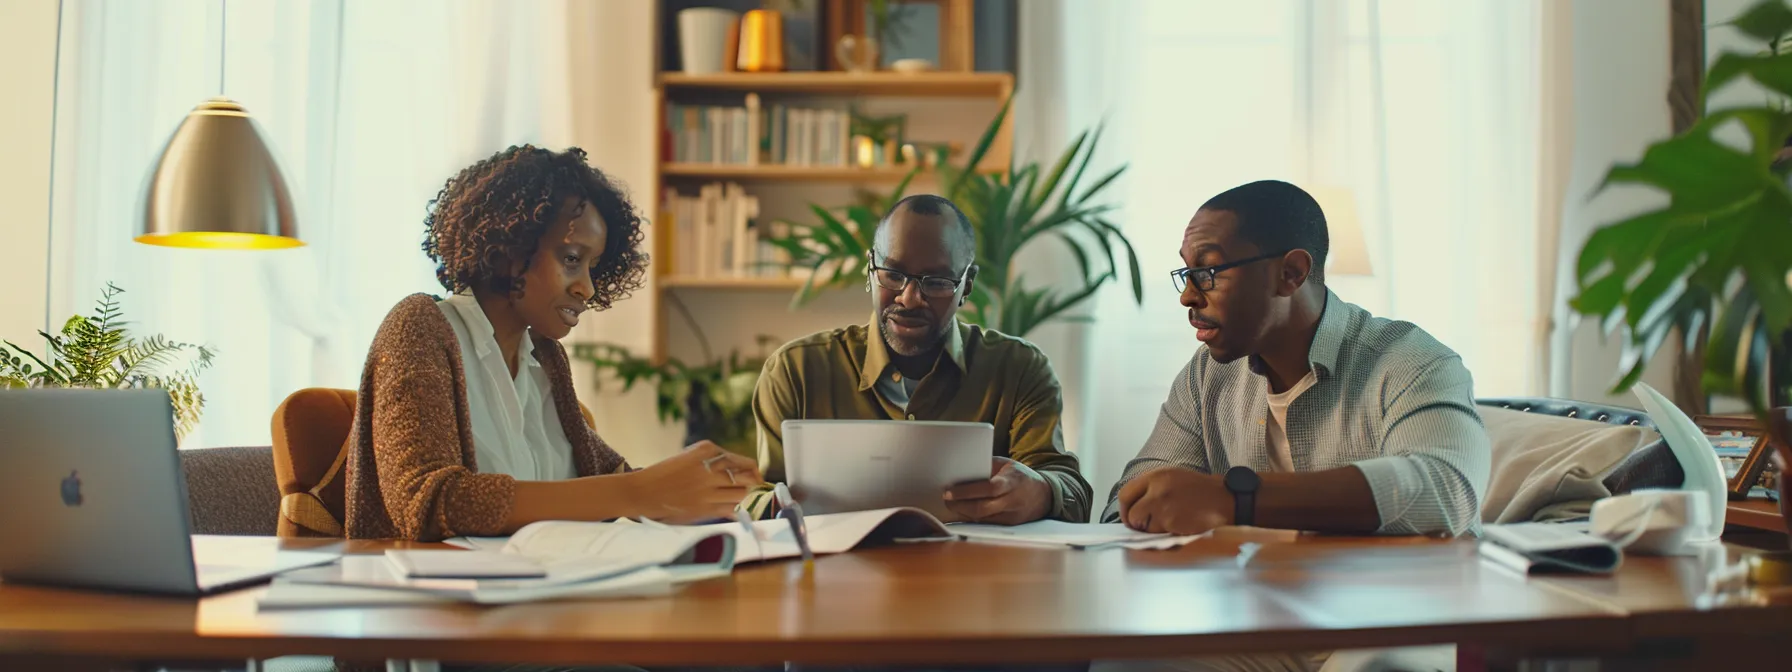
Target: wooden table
[911,604]
[1678,611]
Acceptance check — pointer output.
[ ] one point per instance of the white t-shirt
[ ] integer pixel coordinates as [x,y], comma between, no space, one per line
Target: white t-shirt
[1275,437]
[516,430]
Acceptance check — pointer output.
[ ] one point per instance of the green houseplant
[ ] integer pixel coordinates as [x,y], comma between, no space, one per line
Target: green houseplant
[1009,210]
[1717,255]
[97,351]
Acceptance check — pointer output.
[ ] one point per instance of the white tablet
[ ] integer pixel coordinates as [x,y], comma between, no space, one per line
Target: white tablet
[834,466]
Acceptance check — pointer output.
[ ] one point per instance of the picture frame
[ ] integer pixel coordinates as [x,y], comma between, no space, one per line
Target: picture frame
[1742,443]
[956,31]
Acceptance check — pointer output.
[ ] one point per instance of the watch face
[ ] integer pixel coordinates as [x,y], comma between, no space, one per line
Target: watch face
[1242,479]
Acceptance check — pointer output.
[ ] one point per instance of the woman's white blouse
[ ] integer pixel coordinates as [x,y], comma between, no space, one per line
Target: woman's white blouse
[516,430]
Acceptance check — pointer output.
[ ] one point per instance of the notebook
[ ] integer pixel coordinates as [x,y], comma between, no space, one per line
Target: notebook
[1538,548]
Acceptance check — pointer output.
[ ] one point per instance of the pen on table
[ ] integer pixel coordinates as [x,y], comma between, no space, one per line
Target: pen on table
[791,511]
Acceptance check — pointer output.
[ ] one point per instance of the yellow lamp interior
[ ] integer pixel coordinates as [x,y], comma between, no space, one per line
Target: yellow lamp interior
[215,240]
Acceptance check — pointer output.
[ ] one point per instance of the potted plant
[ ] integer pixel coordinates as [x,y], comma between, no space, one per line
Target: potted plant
[1719,253]
[1009,209]
[97,351]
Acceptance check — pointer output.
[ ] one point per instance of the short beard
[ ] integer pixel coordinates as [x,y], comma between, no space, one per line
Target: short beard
[909,348]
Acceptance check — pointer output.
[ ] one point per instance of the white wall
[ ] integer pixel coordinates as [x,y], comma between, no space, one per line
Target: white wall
[27,78]
[1620,74]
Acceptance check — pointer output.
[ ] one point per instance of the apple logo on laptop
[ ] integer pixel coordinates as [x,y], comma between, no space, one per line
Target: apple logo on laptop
[71,489]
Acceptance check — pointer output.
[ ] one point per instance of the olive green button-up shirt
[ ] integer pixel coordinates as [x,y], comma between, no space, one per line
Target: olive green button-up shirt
[983,376]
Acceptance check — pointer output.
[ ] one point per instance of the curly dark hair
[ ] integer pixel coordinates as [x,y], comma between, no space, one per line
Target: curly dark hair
[495,211]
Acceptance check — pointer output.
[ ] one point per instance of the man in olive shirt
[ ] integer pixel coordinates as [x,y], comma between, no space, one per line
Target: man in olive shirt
[914,360]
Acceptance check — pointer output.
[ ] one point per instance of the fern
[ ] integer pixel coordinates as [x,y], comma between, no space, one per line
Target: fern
[99,352]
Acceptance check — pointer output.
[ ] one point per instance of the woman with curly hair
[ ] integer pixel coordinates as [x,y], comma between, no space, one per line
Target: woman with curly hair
[466,422]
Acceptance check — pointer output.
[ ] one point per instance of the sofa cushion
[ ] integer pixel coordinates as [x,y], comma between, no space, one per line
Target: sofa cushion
[1547,467]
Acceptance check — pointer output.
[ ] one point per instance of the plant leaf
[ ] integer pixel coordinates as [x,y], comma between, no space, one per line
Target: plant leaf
[1050,184]
[1102,183]
[1082,257]
[1770,71]
[1132,262]
[1766,21]
[982,149]
[1699,174]
[1600,298]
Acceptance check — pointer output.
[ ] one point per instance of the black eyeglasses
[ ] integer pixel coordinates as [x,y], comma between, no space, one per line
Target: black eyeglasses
[934,286]
[1202,278]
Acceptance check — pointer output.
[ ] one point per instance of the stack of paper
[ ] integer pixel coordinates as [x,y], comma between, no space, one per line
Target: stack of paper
[1070,535]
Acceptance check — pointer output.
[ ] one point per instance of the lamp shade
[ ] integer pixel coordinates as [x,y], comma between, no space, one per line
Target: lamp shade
[217,186]
[1349,250]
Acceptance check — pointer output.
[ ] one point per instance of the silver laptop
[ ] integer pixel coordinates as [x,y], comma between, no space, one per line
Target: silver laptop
[833,466]
[92,495]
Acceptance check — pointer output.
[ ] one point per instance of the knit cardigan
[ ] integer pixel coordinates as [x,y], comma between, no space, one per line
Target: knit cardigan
[411,473]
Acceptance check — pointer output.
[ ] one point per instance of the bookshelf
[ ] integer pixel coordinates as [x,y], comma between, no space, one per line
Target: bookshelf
[748,161]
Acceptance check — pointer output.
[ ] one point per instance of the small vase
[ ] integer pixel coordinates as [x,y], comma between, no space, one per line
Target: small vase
[857,53]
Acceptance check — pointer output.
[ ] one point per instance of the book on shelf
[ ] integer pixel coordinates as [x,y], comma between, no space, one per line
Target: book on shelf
[718,233]
[753,134]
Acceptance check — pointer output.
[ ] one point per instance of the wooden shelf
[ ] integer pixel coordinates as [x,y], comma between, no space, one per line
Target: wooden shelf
[883,83]
[687,282]
[782,172]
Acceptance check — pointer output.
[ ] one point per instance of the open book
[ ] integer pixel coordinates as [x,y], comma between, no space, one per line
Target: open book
[557,559]
[829,533]
[534,565]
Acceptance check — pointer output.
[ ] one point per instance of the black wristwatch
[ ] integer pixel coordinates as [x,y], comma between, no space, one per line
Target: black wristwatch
[1243,484]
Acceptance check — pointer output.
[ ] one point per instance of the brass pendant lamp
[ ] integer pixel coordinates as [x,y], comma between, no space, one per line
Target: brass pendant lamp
[216,185]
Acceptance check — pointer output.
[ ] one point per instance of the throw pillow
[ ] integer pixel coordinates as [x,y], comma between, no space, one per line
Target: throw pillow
[1547,466]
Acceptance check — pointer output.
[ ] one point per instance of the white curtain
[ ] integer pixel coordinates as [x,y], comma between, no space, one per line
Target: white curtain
[368,107]
[1427,112]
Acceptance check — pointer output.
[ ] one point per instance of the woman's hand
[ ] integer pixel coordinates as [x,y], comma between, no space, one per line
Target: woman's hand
[704,481]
